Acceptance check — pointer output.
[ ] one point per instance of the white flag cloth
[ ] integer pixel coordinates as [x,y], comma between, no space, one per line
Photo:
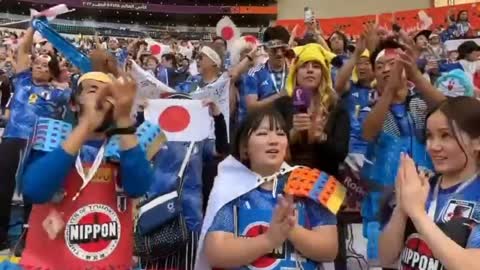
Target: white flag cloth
[148,86]
[52,12]
[181,120]
[218,91]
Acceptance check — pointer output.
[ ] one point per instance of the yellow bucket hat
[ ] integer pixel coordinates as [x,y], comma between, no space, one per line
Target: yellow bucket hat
[96,76]
[304,54]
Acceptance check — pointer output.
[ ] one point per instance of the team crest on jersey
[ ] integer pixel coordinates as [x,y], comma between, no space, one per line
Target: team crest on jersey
[32,99]
[93,232]
[417,255]
[458,209]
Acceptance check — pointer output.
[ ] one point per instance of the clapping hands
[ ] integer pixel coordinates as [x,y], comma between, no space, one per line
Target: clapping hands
[284,219]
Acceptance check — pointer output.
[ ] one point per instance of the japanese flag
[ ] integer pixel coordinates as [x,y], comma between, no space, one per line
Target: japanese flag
[181,120]
[157,49]
[227,29]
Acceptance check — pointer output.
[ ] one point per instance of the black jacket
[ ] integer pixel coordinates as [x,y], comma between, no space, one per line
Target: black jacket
[326,156]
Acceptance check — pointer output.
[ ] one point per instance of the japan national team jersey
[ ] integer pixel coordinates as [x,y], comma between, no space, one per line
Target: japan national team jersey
[30,101]
[249,216]
[457,214]
[263,82]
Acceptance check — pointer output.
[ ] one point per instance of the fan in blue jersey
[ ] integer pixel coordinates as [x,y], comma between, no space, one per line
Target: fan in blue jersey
[249,223]
[436,223]
[34,96]
[265,83]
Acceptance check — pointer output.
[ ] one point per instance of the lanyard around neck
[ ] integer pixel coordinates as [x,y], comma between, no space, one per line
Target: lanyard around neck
[274,79]
[166,77]
[91,173]
[433,204]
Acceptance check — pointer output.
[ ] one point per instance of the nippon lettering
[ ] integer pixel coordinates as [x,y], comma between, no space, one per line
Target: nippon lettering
[416,260]
[93,232]
[84,233]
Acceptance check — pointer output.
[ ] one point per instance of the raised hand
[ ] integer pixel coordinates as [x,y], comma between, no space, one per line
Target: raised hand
[283,221]
[414,188]
[361,44]
[409,60]
[212,106]
[123,91]
[302,121]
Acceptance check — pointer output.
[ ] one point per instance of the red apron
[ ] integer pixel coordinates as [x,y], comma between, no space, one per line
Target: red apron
[97,235]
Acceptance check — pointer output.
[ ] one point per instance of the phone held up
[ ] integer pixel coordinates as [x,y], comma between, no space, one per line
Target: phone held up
[309,16]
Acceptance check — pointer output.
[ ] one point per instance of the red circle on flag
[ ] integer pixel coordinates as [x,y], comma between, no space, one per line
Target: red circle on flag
[155,49]
[227,33]
[265,261]
[100,244]
[174,119]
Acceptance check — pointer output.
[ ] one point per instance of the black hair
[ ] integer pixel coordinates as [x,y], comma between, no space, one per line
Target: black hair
[251,123]
[342,36]
[462,112]
[154,58]
[170,57]
[53,65]
[307,39]
[460,13]
[276,32]
[220,38]
[389,43]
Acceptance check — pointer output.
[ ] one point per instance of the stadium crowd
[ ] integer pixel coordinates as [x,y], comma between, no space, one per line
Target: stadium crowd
[298,126]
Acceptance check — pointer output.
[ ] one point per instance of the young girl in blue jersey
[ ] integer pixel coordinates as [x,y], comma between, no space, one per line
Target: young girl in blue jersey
[435,224]
[249,223]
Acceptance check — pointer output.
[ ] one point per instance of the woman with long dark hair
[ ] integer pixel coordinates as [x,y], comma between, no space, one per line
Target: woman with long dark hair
[435,224]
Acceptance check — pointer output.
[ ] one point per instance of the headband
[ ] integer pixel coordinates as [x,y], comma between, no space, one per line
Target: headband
[276,43]
[213,55]
[386,52]
[96,76]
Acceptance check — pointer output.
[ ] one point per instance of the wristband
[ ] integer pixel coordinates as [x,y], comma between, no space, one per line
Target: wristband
[122,131]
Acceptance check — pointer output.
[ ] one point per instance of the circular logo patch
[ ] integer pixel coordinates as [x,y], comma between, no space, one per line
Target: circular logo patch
[92,233]
[418,255]
[266,262]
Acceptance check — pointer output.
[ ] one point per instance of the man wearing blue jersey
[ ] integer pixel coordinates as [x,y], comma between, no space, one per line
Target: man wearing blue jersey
[34,96]
[265,83]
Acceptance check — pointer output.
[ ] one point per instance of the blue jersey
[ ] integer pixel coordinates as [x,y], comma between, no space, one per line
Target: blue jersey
[249,216]
[167,164]
[355,101]
[263,82]
[121,54]
[457,214]
[30,101]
